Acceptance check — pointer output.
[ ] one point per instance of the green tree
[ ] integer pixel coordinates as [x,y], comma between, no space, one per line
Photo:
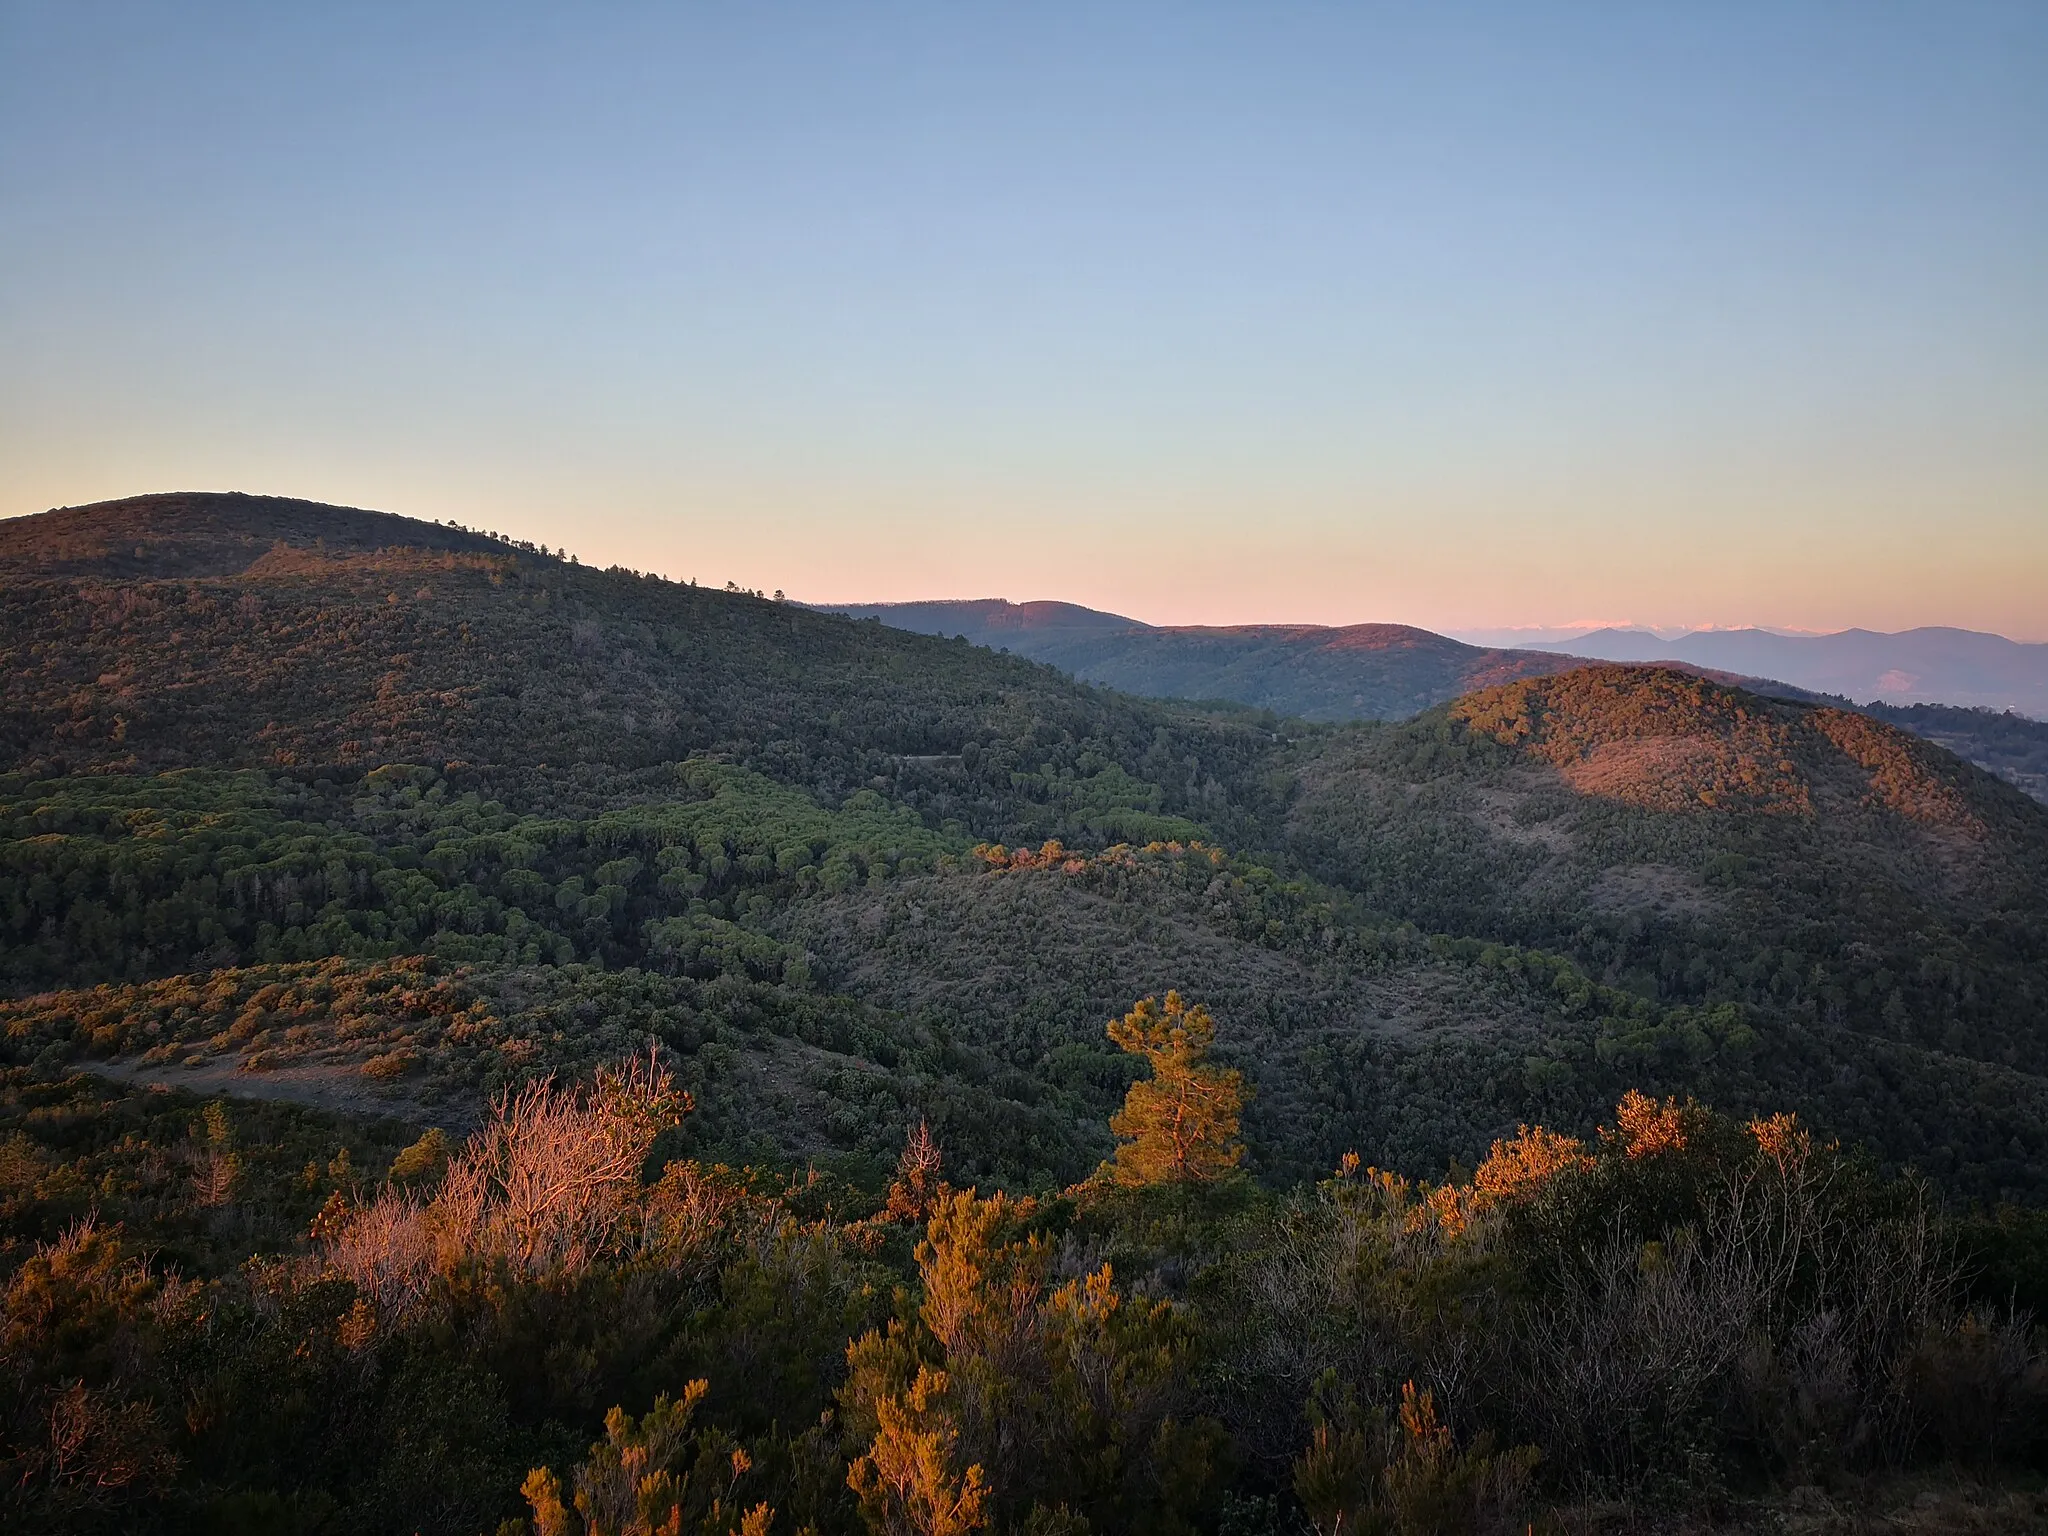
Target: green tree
[656,1477]
[1012,1399]
[1180,1125]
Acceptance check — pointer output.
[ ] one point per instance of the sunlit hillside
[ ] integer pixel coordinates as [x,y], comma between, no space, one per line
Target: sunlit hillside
[1391,671]
[305,743]
[490,989]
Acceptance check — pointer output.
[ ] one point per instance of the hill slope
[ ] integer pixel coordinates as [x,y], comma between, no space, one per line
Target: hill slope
[205,533]
[2009,745]
[281,635]
[1308,671]
[1837,878]
[1362,671]
[376,812]
[1390,671]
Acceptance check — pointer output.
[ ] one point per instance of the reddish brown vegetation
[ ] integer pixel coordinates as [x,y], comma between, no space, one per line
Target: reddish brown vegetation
[1671,741]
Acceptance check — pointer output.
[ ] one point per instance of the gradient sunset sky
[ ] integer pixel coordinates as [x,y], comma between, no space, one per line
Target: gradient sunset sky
[1456,315]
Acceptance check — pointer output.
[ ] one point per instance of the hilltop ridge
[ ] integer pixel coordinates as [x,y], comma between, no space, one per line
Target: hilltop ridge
[205,533]
[268,633]
[1390,671]
[985,620]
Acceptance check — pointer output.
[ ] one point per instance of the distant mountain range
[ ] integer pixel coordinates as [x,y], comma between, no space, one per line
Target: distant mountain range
[1320,672]
[1915,666]
[1311,672]
[1944,684]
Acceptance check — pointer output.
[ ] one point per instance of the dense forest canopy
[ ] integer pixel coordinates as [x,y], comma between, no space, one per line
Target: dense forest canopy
[329,840]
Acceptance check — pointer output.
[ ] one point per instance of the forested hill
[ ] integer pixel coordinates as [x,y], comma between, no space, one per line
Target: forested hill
[2007,744]
[1691,841]
[379,812]
[1360,671]
[232,631]
[147,538]
[992,621]
[1309,671]
[1374,671]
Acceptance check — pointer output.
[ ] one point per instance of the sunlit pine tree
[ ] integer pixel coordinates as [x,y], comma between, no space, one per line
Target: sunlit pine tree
[1179,1126]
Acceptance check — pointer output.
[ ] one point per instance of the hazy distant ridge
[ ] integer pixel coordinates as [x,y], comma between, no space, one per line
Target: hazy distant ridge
[1391,671]
[980,618]
[1313,672]
[1932,665]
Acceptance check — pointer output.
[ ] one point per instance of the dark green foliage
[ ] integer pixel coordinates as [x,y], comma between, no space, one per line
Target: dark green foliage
[320,733]
[118,877]
[2001,742]
[197,1181]
[302,807]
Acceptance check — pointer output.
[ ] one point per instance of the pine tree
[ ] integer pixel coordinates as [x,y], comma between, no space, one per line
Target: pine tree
[907,1481]
[655,1477]
[1180,1125]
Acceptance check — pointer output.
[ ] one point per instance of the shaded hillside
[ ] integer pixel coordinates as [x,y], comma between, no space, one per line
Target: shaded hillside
[1308,671]
[1390,671]
[400,823]
[1363,671]
[1697,844]
[205,533]
[1369,1036]
[539,680]
[1934,665]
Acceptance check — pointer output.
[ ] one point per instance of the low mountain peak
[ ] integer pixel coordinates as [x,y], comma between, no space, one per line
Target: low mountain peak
[206,533]
[1663,739]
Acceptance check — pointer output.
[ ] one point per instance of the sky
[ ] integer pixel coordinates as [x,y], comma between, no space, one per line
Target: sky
[1468,316]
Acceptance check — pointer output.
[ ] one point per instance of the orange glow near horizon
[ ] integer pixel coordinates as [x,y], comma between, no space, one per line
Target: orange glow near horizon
[1463,320]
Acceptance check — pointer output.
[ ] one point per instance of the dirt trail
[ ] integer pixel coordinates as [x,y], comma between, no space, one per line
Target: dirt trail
[341,1090]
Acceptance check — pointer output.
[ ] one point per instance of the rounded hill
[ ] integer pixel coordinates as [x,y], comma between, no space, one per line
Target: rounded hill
[1673,741]
[183,631]
[1699,844]
[205,533]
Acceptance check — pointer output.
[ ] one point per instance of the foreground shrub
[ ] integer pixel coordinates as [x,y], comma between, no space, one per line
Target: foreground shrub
[652,1478]
[546,1188]
[1008,1391]
[1366,1475]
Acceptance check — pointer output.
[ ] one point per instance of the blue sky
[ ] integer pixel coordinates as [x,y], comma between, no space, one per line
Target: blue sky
[1458,315]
